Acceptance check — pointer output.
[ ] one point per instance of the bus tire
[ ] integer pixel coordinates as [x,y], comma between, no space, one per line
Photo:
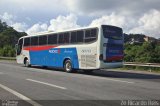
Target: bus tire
[68,66]
[26,63]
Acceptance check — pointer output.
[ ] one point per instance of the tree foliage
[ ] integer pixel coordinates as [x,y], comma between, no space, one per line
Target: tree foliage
[8,39]
[146,52]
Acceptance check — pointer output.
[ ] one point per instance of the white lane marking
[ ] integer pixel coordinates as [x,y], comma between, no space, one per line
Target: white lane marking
[1,73]
[111,79]
[52,85]
[20,96]
[104,78]
[120,80]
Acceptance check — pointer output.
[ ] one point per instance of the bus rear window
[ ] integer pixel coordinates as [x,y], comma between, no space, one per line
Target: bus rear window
[112,32]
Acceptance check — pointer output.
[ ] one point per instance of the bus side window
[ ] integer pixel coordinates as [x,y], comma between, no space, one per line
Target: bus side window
[60,38]
[73,37]
[27,41]
[94,33]
[90,35]
[34,41]
[42,40]
[66,38]
[52,39]
[87,36]
[80,36]
[19,49]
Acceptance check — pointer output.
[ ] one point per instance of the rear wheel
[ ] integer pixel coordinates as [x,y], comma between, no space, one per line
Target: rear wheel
[68,66]
[26,63]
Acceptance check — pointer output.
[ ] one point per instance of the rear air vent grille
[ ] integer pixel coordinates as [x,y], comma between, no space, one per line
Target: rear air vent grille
[88,60]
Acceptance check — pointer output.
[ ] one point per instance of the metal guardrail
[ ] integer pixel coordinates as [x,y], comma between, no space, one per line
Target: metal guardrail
[8,58]
[142,64]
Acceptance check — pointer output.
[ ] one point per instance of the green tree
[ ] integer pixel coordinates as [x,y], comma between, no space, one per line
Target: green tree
[147,52]
[7,51]
[8,39]
[130,52]
[157,54]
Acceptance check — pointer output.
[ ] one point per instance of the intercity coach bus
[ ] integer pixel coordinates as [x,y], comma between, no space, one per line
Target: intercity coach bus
[83,48]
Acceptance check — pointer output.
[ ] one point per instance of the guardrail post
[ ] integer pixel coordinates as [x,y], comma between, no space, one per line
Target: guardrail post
[150,69]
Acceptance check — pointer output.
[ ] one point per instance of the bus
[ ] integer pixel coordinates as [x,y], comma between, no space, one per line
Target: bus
[89,48]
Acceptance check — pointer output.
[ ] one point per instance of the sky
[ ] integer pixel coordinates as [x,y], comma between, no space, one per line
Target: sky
[31,16]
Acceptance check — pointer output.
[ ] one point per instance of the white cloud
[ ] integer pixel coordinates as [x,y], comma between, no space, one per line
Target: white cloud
[21,27]
[149,24]
[100,7]
[63,22]
[112,19]
[10,20]
[57,24]
[37,28]
[32,6]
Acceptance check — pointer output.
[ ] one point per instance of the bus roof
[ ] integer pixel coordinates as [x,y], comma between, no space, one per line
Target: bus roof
[52,32]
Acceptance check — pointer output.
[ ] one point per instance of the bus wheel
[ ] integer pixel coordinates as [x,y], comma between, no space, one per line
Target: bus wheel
[26,63]
[68,66]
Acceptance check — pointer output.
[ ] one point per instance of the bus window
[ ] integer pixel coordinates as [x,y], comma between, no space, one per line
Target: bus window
[73,37]
[52,39]
[66,38]
[60,38]
[80,36]
[19,49]
[90,35]
[34,41]
[93,33]
[87,33]
[42,40]
[27,41]
[112,32]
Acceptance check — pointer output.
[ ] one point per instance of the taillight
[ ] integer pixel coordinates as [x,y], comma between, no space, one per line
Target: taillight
[101,57]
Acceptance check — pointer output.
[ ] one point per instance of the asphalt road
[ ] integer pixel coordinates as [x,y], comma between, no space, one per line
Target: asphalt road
[37,86]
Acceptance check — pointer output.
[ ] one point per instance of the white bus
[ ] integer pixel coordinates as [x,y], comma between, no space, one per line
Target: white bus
[84,48]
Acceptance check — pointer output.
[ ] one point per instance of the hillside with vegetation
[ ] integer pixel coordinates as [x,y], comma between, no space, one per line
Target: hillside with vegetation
[8,39]
[141,48]
[146,52]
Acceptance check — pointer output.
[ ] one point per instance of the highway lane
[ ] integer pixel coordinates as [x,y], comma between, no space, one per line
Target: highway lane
[49,84]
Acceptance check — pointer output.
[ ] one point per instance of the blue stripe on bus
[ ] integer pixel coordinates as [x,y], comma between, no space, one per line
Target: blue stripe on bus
[114,49]
[54,57]
[113,41]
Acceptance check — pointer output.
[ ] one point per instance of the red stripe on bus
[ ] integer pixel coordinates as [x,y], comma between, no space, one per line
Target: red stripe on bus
[38,48]
[114,58]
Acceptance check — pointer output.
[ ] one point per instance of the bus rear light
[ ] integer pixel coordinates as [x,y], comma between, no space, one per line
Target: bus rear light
[101,57]
[114,58]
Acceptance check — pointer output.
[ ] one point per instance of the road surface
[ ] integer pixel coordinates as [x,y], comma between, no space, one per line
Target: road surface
[38,86]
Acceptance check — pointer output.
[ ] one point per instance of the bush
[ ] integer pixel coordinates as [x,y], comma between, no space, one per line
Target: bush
[145,53]
[7,51]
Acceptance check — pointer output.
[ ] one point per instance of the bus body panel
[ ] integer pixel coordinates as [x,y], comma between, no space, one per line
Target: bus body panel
[81,56]
[54,57]
[88,56]
[111,48]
